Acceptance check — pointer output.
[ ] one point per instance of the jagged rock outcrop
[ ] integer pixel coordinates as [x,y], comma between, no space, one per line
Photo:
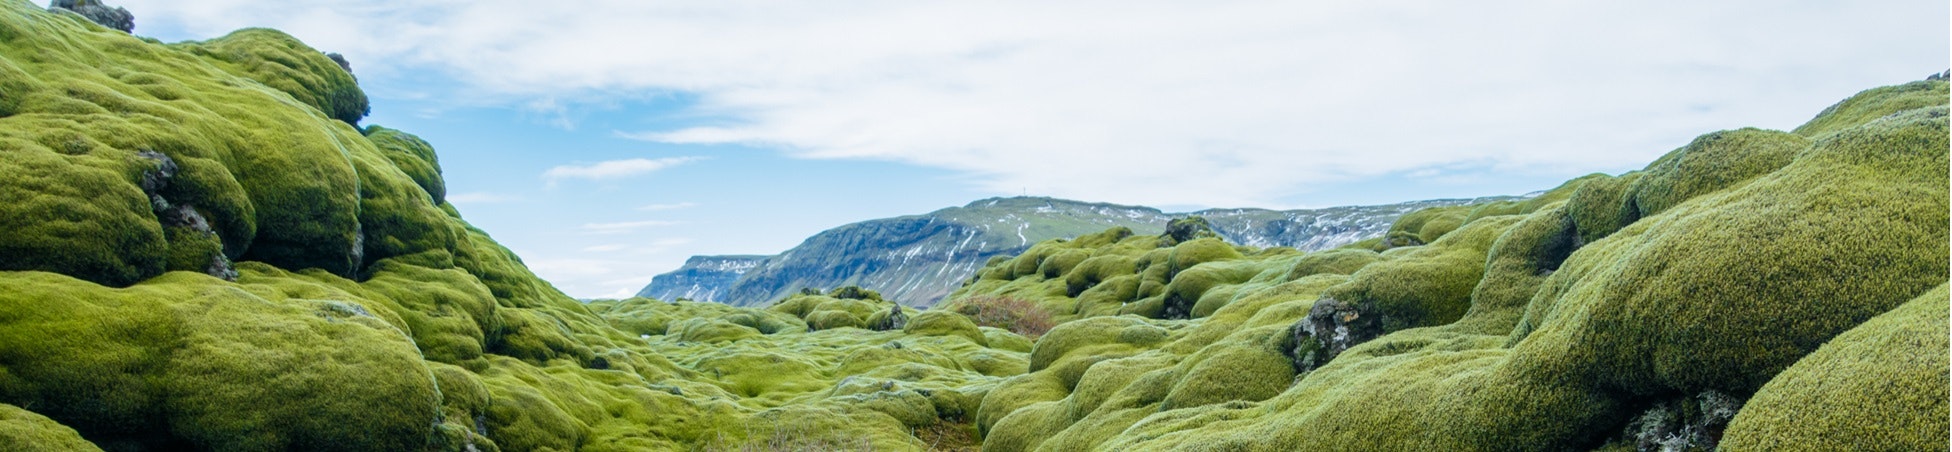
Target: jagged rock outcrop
[113,17]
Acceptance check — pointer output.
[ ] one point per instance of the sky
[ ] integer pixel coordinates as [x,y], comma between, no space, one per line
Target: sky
[605,141]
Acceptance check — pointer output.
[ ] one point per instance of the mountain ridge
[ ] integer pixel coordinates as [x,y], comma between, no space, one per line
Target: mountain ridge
[918,259]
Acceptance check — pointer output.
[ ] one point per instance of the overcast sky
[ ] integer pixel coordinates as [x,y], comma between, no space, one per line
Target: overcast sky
[605,141]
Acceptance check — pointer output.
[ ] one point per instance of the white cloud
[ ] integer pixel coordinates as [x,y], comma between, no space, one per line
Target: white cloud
[623,227]
[671,206]
[479,198]
[654,247]
[1210,103]
[613,169]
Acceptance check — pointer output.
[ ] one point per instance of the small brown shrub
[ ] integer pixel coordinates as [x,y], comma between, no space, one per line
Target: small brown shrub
[1015,314]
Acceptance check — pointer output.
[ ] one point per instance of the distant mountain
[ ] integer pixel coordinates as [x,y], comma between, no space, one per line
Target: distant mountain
[701,278]
[918,259]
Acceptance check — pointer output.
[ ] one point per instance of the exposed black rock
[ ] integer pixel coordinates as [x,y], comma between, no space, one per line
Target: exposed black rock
[1330,328]
[113,17]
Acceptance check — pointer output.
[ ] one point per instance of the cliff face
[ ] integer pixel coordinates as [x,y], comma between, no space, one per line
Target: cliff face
[918,259]
[702,278]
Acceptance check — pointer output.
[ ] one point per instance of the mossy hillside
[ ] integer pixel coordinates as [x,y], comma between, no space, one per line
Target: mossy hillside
[428,336]
[648,317]
[1603,206]
[1518,370]
[412,156]
[1428,225]
[165,362]
[280,61]
[1712,162]
[1111,372]
[914,380]
[1871,388]
[1427,286]
[29,432]
[863,309]
[365,314]
[1875,103]
[275,179]
[946,323]
[1486,393]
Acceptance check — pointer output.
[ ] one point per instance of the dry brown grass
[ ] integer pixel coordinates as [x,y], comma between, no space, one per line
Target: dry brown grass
[1015,314]
[948,437]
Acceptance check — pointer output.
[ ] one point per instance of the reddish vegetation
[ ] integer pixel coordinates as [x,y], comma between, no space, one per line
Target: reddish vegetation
[1015,314]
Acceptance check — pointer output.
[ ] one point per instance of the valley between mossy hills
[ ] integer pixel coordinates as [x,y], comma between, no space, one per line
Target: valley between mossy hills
[203,252]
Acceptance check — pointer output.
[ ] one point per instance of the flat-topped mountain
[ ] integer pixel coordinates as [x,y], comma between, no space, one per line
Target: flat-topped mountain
[918,259]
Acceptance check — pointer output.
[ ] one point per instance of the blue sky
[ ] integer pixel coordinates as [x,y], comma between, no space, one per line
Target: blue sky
[607,141]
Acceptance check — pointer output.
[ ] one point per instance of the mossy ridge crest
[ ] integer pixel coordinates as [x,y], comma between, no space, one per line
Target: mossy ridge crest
[1502,372]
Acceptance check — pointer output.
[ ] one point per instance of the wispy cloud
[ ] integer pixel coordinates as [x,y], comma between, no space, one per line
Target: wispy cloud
[604,248]
[479,198]
[613,169]
[1233,101]
[623,227]
[672,206]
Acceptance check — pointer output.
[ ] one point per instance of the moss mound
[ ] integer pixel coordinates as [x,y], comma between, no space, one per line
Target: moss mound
[1875,387]
[25,431]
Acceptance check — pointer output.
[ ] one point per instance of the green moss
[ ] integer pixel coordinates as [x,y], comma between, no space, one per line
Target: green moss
[1875,103]
[945,323]
[1073,336]
[25,431]
[368,316]
[649,317]
[1341,261]
[1188,254]
[825,312]
[1015,394]
[280,61]
[88,219]
[1247,366]
[1003,339]
[1603,206]
[412,156]
[713,330]
[1515,266]
[193,250]
[1879,386]
[1425,225]
[1427,286]
[449,313]
[1198,291]
[1712,162]
[165,362]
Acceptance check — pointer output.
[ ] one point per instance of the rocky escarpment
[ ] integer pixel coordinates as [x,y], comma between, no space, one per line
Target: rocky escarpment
[918,259]
[702,278]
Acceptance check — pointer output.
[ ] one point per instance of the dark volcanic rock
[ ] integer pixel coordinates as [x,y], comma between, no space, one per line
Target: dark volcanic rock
[112,17]
[1331,327]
